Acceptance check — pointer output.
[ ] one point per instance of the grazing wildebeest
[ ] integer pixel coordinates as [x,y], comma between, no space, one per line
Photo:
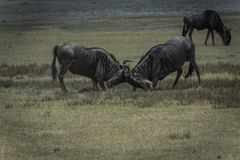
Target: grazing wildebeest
[158,62]
[210,20]
[95,63]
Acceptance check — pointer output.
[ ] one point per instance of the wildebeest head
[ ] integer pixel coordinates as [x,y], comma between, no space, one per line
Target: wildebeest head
[127,75]
[120,76]
[138,81]
[226,36]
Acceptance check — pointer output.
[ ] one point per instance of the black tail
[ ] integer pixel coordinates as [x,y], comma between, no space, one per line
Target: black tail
[190,70]
[54,68]
[184,28]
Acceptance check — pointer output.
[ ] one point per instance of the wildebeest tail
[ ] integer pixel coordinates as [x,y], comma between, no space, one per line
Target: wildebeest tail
[54,68]
[184,27]
[190,70]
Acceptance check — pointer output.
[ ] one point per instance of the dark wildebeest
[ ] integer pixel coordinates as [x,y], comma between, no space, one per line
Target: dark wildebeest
[207,20]
[158,62]
[95,63]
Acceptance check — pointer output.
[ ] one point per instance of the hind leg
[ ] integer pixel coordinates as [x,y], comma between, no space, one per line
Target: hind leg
[190,70]
[197,71]
[63,71]
[190,33]
[179,72]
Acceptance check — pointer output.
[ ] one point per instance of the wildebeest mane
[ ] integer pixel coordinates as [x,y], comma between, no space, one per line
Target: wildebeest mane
[144,66]
[108,61]
[149,51]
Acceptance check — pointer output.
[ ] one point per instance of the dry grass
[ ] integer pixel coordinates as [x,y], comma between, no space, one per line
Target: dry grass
[38,121]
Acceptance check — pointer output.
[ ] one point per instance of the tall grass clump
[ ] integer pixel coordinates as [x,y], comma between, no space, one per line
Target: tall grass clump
[25,69]
[220,68]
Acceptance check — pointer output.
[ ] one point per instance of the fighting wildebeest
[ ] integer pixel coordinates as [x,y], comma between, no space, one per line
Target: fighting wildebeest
[95,63]
[158,62]
[210,20]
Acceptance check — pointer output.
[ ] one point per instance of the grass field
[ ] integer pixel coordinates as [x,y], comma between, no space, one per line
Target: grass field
[38,121]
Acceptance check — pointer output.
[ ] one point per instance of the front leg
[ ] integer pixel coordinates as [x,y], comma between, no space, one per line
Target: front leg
[102,85]
[63,70]
[179,72]
[212,33]
[99,75]
[155,82]
[208,33]
[94,83]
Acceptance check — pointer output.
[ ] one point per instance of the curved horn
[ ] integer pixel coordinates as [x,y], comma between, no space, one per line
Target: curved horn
[126,61]
[125,66]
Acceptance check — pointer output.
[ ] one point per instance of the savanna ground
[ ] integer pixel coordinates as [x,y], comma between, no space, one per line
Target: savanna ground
[38,121]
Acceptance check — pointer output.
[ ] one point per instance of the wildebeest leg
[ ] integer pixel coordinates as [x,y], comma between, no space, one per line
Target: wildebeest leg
[190,70]
[94,83]
[101,83]
[185,30]
[190,33]
[197,71]
[208,33]
[155,82]
[212,33]
[63,71]
[179,72]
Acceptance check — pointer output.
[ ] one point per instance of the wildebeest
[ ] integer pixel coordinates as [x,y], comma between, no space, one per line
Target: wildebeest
[210,20]
[95,63]
[158,62]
